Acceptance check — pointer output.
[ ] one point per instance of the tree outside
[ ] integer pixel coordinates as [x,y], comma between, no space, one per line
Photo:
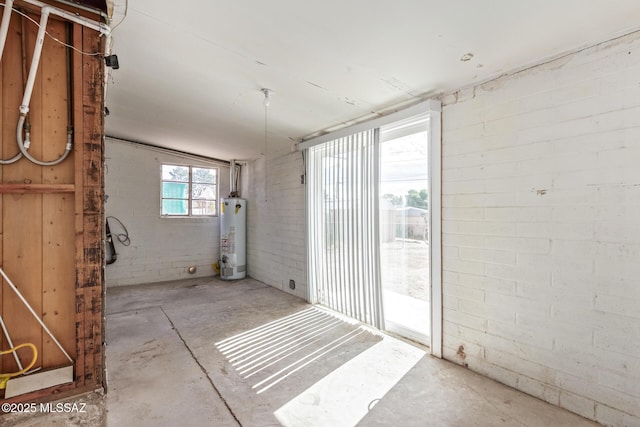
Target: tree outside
[414,198]
[202,178]
[418,199]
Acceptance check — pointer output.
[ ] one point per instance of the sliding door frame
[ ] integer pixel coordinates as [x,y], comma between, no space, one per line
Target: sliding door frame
[435,232]
[433,109]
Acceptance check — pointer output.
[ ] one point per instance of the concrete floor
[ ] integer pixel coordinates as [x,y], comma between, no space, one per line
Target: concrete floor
[204,352]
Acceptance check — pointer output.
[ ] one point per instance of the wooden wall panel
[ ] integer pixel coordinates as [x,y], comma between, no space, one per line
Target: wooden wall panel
[22,215]
[58,210]
[58,288]
[51,228]
[2,127]
[11,91]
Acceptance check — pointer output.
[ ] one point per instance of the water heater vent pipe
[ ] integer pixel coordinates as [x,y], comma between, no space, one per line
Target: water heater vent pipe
[234,177]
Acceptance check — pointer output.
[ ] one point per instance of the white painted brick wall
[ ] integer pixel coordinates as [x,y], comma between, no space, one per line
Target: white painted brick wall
[161,248]
[276,218]
[541,230]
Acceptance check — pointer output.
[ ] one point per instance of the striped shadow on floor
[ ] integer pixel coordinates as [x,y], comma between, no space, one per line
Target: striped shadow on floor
[268,354]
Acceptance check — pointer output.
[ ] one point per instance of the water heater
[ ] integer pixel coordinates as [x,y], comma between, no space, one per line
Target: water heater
[233,238]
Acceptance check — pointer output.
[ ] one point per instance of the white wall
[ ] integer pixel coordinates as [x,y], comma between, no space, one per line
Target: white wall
[276,221]
[541,222]
[161,248]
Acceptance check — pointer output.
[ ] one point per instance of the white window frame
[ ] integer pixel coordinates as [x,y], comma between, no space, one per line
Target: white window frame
[190,193]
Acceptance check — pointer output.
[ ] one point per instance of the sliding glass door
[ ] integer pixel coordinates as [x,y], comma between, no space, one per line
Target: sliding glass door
[342,207]
[404,228]
[373,223]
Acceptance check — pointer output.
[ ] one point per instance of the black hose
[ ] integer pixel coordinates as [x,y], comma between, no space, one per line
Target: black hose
[112,248]
[122,237]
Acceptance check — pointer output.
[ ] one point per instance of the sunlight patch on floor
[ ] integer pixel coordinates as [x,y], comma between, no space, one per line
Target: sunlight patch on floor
[407,316]
[345,396]
[269,354]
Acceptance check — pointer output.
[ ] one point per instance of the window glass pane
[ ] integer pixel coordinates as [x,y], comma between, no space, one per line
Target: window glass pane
[183,186]
[203,191]
[404,232]
[175,190]
[203,207]
[174,207]
[204,175]
[175,173]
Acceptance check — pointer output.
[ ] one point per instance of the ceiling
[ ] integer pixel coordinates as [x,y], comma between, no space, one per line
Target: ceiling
[191,73]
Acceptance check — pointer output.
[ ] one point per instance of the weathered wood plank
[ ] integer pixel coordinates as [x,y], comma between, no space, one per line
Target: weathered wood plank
[58,209]
[78,148]
[22,214]
[90,301]
[36,188]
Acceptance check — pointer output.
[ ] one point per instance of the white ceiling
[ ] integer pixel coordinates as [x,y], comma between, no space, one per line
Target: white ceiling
[191,72]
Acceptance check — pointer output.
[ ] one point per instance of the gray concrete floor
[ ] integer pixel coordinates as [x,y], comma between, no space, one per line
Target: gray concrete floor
[205,352]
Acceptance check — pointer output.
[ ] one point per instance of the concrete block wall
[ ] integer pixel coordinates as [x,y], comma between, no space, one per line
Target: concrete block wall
[276,251]
[541,230]
[161,248]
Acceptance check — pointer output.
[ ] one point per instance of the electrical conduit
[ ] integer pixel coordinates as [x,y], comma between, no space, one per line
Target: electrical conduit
[4,27]
[24,108]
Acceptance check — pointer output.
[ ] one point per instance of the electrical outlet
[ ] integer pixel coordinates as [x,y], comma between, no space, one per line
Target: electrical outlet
[302,179]
[292,284]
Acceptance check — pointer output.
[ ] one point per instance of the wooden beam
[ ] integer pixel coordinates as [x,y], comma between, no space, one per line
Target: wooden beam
[36,188]
[89,127]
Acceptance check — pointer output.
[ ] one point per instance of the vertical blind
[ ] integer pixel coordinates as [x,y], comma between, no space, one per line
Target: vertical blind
[342,209]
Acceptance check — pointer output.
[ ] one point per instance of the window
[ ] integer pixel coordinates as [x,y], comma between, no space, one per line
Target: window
[189,191]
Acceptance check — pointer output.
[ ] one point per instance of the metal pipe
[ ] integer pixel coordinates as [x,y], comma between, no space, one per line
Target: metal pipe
[15,353]
[33,313]
[25,152]
[89,23]
[28,90]
[70,104]
[232,178]
[4,27]
[35,61]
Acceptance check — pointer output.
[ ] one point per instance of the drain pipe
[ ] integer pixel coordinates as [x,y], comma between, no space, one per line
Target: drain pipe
[24,107]
[4,27]
[233,191]
[35,61]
